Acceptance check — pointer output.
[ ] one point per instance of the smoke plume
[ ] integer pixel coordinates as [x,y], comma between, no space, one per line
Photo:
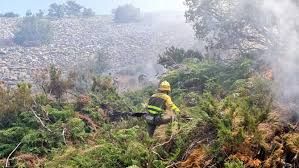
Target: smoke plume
[284,57]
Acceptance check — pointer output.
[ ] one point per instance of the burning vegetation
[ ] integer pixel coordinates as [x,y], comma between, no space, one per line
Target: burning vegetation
[235,109]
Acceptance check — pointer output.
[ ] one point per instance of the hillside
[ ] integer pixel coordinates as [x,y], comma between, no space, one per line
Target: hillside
[228,93]
[78,39]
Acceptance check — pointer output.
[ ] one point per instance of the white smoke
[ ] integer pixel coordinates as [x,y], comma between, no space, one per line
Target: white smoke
[285,56]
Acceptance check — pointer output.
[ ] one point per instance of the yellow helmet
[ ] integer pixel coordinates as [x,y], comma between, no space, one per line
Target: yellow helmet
[165,86]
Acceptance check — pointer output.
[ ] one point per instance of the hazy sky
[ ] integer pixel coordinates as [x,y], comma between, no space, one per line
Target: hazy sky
[100,6]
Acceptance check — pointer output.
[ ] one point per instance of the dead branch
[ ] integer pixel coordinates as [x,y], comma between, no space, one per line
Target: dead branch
[162,144]
[42,108]
[173,165]
[89,121]
[40,120]
[190,148]
[7,160]
[63,135]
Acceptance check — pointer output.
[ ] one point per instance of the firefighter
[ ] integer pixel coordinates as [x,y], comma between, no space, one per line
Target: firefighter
[157,106]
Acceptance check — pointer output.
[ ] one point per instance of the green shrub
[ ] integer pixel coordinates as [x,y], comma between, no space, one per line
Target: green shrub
[234,164]
[13,102]
[105,95]
[174,56]
[135,154]
[59,115]
[40,142]
[9,138]
[33,31]
[77,129]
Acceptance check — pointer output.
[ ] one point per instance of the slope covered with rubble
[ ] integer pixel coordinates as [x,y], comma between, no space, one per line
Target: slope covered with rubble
[232,114]
[79,39]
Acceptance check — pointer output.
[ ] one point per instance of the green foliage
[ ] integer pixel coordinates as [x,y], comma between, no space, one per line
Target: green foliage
[234,164]
[216,24]
[126,13]
[33,31]
[40,142]
[9,138]
[14,102]
[174,56]
[105,94]
[226,95]
[209,75]
[70,8]
[252,99]
[27,119]
[139,98]
[58,86]
[59,115]
[77,129]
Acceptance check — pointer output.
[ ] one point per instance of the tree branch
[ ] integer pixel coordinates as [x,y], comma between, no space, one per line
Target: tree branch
[40,120]
[7,160]
[63,135]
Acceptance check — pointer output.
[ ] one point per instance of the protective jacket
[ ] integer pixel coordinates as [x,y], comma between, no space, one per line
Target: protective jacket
[159,102]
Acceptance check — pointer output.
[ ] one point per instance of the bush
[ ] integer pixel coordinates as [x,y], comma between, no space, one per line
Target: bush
[9,138]
[56,85]
[234,164]
[14,102]
[77,129]
[9,15]
[33,31]
[127,13]
[173,56]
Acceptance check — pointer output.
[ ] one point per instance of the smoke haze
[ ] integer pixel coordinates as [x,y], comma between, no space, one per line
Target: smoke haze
[100,6]
[285,58]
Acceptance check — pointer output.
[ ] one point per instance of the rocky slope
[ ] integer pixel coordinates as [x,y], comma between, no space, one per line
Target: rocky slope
[78,39]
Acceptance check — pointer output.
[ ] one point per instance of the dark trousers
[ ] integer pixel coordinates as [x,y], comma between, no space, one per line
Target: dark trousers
[154,121]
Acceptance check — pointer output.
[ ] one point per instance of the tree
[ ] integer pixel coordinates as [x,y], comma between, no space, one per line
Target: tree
[70,8]
[56,10]
[29,13]
[127,13]
[73,8]
[240,26]
[173,56]
[40,13]
[57,86]
[33,31]
[88,12]
[10,14]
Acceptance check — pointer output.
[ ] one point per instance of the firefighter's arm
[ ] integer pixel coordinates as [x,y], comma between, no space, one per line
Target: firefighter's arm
[171,105]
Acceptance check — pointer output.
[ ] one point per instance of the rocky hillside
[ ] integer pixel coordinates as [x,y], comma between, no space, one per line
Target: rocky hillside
[78,39]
